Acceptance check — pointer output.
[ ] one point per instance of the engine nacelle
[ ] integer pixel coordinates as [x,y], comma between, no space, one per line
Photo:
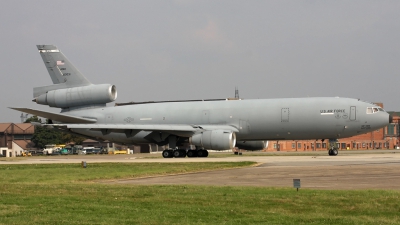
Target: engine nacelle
[78,96]
[214,139]
[252,145]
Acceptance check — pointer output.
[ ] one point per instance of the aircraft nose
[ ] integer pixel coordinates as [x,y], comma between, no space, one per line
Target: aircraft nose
[390,118]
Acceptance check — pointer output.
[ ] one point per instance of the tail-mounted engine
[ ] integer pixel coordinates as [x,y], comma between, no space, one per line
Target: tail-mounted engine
[78,96]
[214,139]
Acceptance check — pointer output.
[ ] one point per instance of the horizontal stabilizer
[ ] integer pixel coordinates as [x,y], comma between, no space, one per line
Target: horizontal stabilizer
[56,116]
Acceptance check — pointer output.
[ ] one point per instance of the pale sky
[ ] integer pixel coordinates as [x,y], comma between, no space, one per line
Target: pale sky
[187,49]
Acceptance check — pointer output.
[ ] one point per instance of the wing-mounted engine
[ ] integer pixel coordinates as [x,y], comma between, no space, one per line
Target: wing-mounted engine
[252,145]
[214,139]
[78,96]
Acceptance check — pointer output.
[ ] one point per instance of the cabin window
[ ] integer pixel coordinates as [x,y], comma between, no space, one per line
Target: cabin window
[371,110]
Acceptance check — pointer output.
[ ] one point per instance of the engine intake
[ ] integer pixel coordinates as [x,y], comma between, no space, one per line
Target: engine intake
[78,96]
[214,139]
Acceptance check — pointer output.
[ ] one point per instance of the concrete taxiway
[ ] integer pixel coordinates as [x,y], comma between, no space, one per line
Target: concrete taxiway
[346,171]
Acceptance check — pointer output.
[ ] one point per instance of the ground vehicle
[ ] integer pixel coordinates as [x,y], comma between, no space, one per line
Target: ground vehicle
[87,150]
[53,149]
[76,148]
[36,152]
[96,150]
[26,154]
[103,151]
[64,151]
[49,149]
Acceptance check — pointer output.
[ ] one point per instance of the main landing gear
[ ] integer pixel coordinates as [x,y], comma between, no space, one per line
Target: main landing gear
[182,153]
[333,148]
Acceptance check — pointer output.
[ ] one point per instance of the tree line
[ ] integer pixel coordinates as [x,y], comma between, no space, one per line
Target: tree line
[44,136]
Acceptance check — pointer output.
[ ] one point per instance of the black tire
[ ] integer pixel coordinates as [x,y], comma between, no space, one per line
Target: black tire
[177,153]
[191,153]
[167,154]
[200,153]
[335,152]
[183,153]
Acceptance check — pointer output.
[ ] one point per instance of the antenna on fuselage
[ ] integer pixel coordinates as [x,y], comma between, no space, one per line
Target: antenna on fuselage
[236,92]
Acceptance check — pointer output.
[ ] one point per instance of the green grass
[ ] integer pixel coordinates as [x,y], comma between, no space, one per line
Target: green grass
[67,194]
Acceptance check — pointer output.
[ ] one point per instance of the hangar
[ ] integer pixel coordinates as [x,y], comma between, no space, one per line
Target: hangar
[15,138]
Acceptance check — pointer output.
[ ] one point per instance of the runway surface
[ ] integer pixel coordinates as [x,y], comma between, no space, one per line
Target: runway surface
[346,171]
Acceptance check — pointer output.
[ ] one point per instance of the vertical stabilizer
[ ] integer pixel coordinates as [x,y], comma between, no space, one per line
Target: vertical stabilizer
[60,68]
[62,72]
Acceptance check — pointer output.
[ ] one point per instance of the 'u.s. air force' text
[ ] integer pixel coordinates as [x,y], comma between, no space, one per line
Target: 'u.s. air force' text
[332,111]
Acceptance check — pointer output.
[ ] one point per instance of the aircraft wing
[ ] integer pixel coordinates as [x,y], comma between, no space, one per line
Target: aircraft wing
[56,116]
[147,127]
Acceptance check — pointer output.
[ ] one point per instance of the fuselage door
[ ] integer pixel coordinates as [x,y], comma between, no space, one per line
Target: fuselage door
[353,113]
[285,115]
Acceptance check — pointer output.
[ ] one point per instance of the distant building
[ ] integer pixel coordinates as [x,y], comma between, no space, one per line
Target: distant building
[15,138]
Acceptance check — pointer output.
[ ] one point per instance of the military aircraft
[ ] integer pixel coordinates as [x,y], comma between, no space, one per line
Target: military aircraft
[191,127]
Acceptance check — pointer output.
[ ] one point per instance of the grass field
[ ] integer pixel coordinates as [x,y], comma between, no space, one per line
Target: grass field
[68,194]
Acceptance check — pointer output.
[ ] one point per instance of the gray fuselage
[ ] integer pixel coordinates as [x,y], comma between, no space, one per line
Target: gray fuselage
[264,119]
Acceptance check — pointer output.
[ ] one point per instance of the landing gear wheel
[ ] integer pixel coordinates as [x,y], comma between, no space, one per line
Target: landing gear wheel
[167,153]
[183,153]
[202,153]
[192,153]
[333,147]
[333,152]
[177,153]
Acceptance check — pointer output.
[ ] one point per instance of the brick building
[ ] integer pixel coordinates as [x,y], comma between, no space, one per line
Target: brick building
[15,138]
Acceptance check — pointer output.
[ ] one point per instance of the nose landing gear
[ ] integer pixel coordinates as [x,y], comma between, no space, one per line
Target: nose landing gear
[333,148]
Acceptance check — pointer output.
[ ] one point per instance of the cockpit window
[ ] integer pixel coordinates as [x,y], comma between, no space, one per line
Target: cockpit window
[371,110]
